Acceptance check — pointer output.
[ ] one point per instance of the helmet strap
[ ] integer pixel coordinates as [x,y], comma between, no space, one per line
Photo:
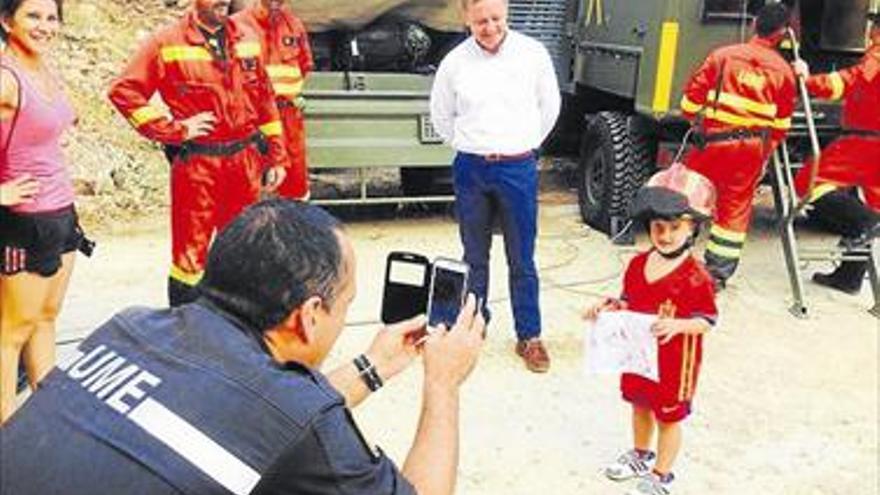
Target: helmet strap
[678,252]
[689,243]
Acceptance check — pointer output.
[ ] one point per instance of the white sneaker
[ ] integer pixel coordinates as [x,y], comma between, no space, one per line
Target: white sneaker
[651,484]
[630,465]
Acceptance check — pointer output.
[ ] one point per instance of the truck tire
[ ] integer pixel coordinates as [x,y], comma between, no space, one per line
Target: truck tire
[618,152]
[605,181]
[643,139]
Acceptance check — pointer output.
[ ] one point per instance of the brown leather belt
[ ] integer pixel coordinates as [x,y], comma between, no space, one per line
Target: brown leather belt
[501,157]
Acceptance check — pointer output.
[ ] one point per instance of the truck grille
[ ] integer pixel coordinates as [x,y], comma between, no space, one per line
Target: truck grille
[545,21]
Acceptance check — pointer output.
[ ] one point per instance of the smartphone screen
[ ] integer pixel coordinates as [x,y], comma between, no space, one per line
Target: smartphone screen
[448,287]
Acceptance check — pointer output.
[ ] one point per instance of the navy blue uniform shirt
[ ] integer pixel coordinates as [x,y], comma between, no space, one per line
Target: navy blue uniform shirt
[186,401]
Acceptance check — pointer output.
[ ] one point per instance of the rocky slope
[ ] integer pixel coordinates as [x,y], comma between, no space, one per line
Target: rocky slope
[119,175]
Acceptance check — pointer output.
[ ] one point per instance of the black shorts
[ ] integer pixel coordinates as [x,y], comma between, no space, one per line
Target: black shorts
[34,242]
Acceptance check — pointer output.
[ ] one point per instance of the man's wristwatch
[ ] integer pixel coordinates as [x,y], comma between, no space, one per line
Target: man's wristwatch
[367,372]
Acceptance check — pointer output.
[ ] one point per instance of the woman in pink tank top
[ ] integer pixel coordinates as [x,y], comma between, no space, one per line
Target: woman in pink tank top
[39,233]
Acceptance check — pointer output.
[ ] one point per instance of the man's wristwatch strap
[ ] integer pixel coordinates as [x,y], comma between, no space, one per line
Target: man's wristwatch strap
[367,372]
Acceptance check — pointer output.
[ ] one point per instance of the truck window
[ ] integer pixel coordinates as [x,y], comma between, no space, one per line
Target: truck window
[731,10]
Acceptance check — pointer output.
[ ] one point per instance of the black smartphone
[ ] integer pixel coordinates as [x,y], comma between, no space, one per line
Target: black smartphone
[448,288]
[406,286]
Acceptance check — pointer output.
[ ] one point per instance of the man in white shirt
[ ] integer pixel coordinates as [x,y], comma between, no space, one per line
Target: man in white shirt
[495,98]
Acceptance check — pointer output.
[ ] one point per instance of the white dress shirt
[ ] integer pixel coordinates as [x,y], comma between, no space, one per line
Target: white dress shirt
[506,102]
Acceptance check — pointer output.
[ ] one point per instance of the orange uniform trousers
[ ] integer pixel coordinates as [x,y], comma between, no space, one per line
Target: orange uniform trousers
[296,183]
[848,161]
[735,168]
[207,192]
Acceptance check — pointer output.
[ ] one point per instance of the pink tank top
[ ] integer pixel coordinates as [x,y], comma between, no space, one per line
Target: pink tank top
[35,146]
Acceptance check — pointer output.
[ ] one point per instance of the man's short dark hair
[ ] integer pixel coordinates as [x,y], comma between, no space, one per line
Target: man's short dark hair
[270,259]
[771,18]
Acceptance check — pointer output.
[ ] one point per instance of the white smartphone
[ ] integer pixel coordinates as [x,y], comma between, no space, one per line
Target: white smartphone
[449,279]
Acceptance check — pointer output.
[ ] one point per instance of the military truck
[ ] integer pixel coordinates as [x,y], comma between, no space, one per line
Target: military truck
[620,63]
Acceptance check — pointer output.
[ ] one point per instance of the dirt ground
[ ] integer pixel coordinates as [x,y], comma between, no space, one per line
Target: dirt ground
[784,406]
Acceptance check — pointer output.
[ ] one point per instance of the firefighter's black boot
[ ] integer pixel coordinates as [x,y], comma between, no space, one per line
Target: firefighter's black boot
[844,214]
[181,293]
[846,278]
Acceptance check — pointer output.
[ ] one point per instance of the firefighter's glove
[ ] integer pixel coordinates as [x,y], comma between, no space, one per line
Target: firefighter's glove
[300,102]
[801,69]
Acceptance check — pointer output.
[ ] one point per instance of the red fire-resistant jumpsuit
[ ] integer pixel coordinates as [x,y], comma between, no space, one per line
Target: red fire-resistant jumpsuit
[741,100]
[854,158]
[208,188]
[285,48]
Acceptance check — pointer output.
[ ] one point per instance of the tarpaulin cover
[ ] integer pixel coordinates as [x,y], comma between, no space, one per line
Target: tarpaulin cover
[325,15]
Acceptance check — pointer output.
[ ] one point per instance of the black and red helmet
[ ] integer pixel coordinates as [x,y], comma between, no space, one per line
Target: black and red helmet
[673,193]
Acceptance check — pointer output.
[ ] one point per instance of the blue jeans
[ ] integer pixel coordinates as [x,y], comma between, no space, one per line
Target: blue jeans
[508,190]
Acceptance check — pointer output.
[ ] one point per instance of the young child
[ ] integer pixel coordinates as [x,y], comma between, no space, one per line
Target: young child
[668,281]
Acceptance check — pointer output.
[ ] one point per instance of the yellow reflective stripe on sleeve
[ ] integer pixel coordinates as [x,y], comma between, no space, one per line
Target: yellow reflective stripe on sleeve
[185,277]
[727,235]
[287,89]
[782,124]
[743,103]
[144,114]
[665,66]
[283,70]
[177,53]
[838,86]
[738,120]
[723,251]
[247,49]
[821,190]
[688,106]
[272,128]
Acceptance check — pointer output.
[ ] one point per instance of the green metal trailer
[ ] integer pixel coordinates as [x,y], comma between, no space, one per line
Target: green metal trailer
[361,121]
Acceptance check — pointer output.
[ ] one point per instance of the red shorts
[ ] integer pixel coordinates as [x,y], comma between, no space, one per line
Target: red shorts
[670,399]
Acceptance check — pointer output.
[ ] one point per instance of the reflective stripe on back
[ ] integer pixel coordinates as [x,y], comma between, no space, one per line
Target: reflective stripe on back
[194,446]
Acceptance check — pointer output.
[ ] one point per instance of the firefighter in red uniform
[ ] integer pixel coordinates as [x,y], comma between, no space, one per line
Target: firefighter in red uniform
[740,101]
[226,130]
[284,43]
[851,160]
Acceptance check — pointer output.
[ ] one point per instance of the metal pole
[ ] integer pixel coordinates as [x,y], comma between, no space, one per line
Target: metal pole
[811,128]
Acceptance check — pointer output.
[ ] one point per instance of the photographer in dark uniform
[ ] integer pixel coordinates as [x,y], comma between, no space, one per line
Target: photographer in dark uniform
[224,395]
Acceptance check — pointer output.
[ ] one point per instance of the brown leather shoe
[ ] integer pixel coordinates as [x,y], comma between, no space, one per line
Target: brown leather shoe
[534,354]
